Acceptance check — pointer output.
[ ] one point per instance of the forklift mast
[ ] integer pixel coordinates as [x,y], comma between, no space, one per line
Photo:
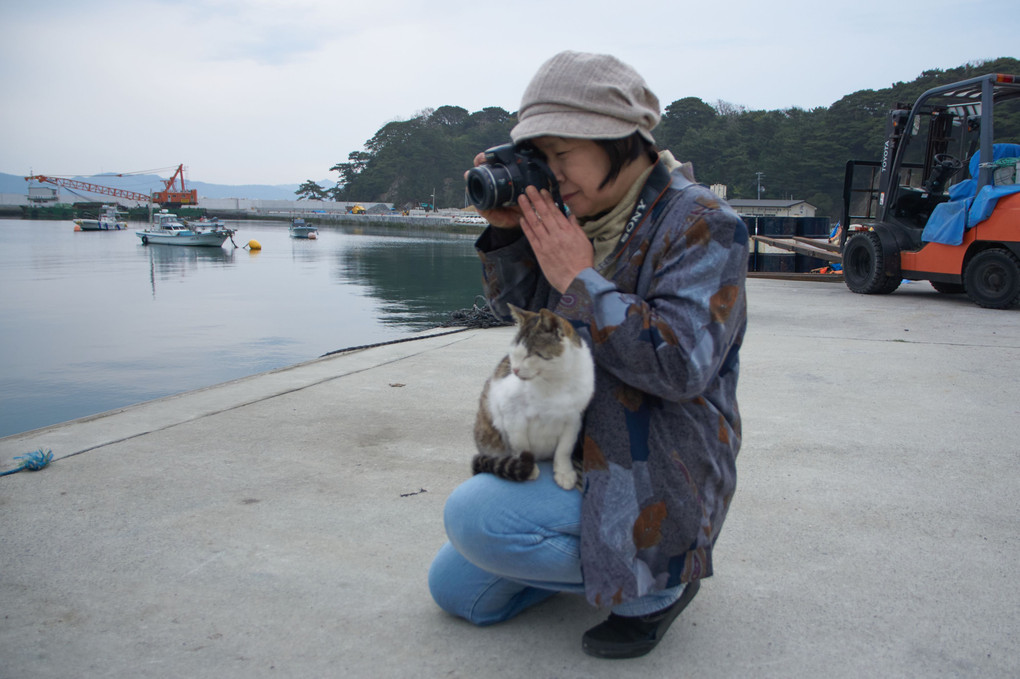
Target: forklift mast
[895,130]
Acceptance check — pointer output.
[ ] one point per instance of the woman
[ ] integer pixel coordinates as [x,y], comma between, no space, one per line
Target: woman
[650,268]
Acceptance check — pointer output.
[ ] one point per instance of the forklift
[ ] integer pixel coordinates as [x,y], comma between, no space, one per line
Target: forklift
[916,215]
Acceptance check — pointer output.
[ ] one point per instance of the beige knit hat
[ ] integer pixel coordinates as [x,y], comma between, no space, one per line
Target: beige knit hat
[586,96]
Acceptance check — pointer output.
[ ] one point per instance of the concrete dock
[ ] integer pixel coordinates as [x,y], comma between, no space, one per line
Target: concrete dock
[282,525]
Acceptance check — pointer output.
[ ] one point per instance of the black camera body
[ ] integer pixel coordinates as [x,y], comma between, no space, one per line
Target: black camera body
[507,171]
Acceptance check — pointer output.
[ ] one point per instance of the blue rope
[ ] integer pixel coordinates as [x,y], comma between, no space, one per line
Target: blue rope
[33,462]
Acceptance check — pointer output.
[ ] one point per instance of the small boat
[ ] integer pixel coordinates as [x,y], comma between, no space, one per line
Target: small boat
[167,229]
[301,229]
[106,221]
[471,218]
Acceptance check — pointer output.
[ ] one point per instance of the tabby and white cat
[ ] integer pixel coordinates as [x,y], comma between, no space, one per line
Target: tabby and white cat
[531,406]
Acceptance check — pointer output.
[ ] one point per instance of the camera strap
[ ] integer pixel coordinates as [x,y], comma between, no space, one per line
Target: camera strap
[655,187]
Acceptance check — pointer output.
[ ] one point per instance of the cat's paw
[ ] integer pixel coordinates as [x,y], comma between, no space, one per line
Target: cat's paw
[566,479]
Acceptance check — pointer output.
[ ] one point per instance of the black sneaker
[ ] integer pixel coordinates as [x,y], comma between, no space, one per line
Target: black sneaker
[624,637]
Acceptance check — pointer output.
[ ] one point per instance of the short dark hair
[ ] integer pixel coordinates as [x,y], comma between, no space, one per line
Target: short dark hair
[624,151]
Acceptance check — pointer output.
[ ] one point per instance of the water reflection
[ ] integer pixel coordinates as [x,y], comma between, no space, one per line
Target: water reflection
[167,262]
[306,250]
[419,281]
[96,321]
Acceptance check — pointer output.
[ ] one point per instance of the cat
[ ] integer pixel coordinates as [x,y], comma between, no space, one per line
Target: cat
[531,407]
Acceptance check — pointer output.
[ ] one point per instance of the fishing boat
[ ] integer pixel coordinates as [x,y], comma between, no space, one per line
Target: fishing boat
[106,221]
[299,228]
[168,229]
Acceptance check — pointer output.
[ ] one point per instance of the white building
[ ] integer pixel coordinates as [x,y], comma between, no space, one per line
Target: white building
[772,208]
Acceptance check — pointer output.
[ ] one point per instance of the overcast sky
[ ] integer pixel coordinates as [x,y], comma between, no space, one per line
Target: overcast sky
[278,91]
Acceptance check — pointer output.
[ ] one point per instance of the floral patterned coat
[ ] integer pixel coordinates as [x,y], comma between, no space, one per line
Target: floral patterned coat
[665,316]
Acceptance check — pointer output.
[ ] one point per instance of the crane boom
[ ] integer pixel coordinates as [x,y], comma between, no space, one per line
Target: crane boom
[91,188]
[170,195]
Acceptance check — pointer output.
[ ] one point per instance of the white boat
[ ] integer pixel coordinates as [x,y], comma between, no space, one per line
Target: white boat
[470,218]
[167,229]
[299,228]
[106,221]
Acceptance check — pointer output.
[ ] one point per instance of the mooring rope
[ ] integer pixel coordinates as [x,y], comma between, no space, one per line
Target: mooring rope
[462,319]
[383,344]
[475,317]
[33,462]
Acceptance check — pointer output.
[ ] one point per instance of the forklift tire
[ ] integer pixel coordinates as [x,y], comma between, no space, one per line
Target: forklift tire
[864,265]
[992,279]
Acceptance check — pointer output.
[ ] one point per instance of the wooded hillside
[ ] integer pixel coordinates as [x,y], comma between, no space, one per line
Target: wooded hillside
[801,152]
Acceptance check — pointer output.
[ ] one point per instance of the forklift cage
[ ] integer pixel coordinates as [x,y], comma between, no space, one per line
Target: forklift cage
[871,189]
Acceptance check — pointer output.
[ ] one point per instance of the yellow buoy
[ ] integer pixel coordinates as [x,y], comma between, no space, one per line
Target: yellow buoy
[254,245]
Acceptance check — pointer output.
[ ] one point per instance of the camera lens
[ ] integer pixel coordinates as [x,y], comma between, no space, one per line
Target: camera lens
[489,186]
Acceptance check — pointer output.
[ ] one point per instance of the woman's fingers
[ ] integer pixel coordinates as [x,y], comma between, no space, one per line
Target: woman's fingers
[560,245]
[541,211]
[544,205]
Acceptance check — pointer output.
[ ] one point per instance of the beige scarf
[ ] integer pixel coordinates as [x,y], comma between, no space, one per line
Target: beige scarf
[604,232]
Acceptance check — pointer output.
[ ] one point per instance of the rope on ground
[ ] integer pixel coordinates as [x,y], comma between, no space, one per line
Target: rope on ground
[383,344]
[33,462]
[475,317]
[463,319]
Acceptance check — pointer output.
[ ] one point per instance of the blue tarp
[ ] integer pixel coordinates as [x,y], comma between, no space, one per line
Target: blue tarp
[948,221]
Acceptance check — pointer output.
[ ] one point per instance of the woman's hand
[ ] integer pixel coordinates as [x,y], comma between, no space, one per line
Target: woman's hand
[562,249]
[500,217]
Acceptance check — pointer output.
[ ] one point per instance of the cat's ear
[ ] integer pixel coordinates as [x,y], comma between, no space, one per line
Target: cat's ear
[517,313]
[550,321]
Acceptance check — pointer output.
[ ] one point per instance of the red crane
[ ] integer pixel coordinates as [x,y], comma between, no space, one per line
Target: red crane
[170,196]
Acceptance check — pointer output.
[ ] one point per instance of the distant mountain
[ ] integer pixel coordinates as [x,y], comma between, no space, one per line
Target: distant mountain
[146,183]
[253,191]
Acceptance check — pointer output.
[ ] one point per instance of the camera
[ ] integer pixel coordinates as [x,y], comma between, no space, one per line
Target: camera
[507,171]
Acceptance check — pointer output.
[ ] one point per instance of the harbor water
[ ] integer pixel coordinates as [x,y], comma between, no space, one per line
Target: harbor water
[93,321]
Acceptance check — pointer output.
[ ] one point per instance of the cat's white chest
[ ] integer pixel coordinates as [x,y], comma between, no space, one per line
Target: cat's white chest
[535,414]
[527,423]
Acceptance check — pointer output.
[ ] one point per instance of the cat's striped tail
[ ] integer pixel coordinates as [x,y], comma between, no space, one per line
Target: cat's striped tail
[509,467]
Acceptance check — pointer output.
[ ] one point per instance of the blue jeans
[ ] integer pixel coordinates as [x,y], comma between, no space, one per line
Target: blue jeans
[513,545]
